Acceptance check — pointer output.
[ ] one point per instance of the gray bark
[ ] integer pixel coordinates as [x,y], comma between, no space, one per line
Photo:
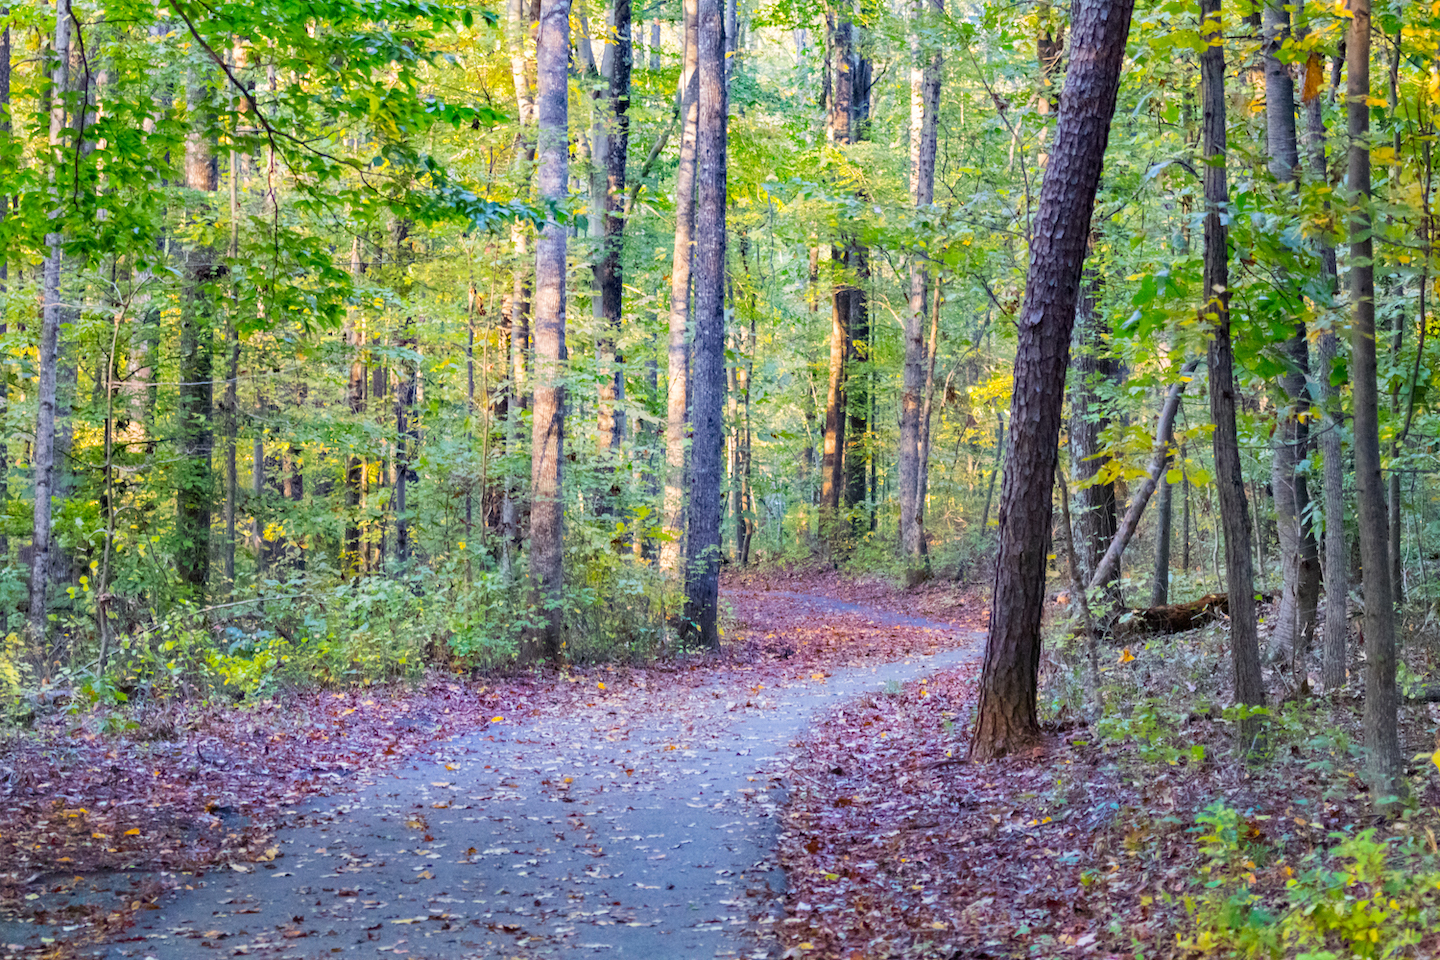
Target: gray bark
[1382,741]
[702,554]
[547,511]
[678,349]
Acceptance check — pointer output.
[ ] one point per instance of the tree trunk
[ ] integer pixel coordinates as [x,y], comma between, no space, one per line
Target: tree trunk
[406,441]
[354,337]
[925,78]
[839,103]
[1337,573]
[232,383]
[702,554]
[1096,512]
[612,111]
[678,350]
[194,482]
[922,486]
[1160,588]
[1382,740]
[1006,720]
[857,391]
[547,511]
[52,315]
[1229,480]
[1300,568]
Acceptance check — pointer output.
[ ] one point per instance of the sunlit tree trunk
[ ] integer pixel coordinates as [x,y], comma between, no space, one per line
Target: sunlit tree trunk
[702,554]
[841,90]
[1006,719]
[547,511]
[52,315]
[1382,740]
[1300,565]
[925,57]
[1229,480]
[678,345]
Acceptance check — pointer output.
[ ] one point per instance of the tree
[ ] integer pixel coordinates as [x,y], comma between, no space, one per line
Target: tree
[1229,478]
[1006,720]
[195,482]
[1382,741]
[702,581]
[547,511]
[1295,621]
[678,349]
[925,80]
[52,316]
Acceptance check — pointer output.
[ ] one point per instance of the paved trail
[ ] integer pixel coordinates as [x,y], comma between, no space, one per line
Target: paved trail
[572,836]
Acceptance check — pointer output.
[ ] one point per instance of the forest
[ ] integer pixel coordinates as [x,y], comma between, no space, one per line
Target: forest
[381,376]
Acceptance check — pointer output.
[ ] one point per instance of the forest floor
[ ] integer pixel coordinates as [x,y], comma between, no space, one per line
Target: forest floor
[630,811]
[801,794]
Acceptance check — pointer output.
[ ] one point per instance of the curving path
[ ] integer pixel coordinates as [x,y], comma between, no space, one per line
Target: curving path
[573,836]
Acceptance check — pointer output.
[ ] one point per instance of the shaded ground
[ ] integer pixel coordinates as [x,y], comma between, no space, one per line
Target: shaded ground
[895,846]
[617,812]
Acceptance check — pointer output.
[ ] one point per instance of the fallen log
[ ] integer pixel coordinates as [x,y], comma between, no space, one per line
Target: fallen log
[1173,618]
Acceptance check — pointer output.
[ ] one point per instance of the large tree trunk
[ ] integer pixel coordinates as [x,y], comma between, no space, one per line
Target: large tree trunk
[232,382]
[1337,573]
[702,594]
[1006,719]
[547,450]
[407,441]
[857,392]
[1229,480]
[1300,567]
[52,315]
[678,349]
[1382,740]
[925,77]
[194,481]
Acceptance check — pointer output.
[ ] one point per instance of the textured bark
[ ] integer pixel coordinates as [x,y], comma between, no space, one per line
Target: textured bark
[1299,563]
[925,77]
[1006,719]
[194,481]
[52,315]
[1160,587]
[547,511]
[678,349]
[609,277]
[1382,741]
[1096,512]
[840,97]
[1337,573]
[702,554]
[1229,481]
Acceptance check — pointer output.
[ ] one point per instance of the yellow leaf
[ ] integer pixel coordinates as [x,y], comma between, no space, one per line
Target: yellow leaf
[1314,72]
[1435,758]
[496,719]
[600,685]
[133,832]
[1126,656]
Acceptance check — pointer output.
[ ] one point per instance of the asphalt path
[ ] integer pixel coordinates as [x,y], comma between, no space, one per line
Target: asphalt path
[585,835]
